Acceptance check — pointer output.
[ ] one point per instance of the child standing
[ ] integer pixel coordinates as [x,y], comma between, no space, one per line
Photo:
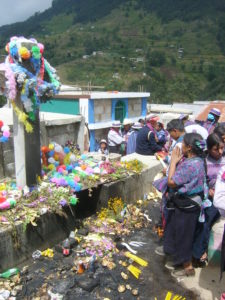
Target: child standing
[161,134]
[103,147]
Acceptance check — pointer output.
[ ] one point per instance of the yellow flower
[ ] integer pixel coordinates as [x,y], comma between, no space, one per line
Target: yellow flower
[28,127]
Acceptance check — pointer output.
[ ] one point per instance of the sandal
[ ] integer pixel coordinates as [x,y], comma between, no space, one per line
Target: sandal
[203,262]
[199,263]
[204,257]
[183,273]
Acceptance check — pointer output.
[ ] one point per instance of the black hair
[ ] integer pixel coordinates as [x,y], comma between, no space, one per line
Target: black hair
[141,120]
[220,130]
[160,125]
[175,124]
[195,141]
[213,140]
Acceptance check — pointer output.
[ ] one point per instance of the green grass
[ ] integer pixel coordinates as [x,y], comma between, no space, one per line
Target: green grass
[118,34]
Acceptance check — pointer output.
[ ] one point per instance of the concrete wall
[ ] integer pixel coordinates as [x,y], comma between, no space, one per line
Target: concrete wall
[102,110]
[49,133]
[7,166]
[130,188]
[101,134]
[134,107]
[59,134]
[51,229]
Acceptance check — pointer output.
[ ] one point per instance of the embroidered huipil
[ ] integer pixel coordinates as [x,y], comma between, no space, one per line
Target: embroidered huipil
[219,196]
[190,176]
[213,168]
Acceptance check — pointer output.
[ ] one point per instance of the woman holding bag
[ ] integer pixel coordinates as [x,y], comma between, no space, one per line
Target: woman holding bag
[188,182]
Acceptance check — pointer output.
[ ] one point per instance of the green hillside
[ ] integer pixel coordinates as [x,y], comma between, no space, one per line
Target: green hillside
[173,48]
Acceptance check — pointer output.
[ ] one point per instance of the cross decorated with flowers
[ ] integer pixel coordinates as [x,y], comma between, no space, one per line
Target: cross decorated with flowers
[27,80]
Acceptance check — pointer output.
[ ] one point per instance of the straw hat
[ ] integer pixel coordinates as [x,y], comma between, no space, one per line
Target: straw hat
[137,126]
[127,122]
[116,124]
[103,141]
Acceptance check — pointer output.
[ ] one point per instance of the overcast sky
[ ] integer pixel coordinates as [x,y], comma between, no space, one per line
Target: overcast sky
[12,11]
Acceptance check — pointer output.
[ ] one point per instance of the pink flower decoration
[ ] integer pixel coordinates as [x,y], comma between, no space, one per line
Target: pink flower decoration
[6,134]
[76,178]
[41,47]
[11,83]
[60,170]
[223,176]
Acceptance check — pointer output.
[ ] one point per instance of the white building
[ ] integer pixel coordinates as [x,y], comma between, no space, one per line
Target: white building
[101,108]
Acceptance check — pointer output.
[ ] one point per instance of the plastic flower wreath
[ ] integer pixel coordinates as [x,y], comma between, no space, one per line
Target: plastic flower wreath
[28,72]
[4,132]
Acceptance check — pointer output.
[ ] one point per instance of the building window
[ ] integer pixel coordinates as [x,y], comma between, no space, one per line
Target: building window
[120,111]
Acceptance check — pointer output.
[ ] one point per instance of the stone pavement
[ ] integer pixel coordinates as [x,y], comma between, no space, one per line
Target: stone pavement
[206,283]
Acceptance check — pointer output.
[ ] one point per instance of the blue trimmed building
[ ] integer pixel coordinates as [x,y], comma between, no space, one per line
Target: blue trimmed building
[99,109]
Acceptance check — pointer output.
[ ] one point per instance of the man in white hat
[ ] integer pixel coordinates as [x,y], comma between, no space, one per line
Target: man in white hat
[114,138]
[127,126]
[146,142]
[126,132]
[131,143]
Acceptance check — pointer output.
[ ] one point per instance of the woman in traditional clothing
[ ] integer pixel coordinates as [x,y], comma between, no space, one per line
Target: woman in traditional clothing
[212,120]
[187,179]
[214,161]
[219,202]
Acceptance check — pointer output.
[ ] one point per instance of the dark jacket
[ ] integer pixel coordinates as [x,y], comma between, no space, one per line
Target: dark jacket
[146,143]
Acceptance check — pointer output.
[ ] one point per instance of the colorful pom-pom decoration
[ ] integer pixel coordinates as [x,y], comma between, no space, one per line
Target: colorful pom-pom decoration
[24,53]
[66,150]
[36,53]
[51,146]
[26,68]
[5,133]
[41,47]
[7,48]
[73,200]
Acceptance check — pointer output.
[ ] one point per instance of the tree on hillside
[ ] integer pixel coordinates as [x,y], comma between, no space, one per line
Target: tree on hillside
[221,34]
[156,58]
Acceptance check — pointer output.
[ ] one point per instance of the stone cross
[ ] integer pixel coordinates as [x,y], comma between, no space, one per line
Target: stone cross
[26,146]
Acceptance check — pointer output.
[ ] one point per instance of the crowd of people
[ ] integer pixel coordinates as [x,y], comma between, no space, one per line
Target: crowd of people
[144,137]
[193,185]
[193,190]
[148,136]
